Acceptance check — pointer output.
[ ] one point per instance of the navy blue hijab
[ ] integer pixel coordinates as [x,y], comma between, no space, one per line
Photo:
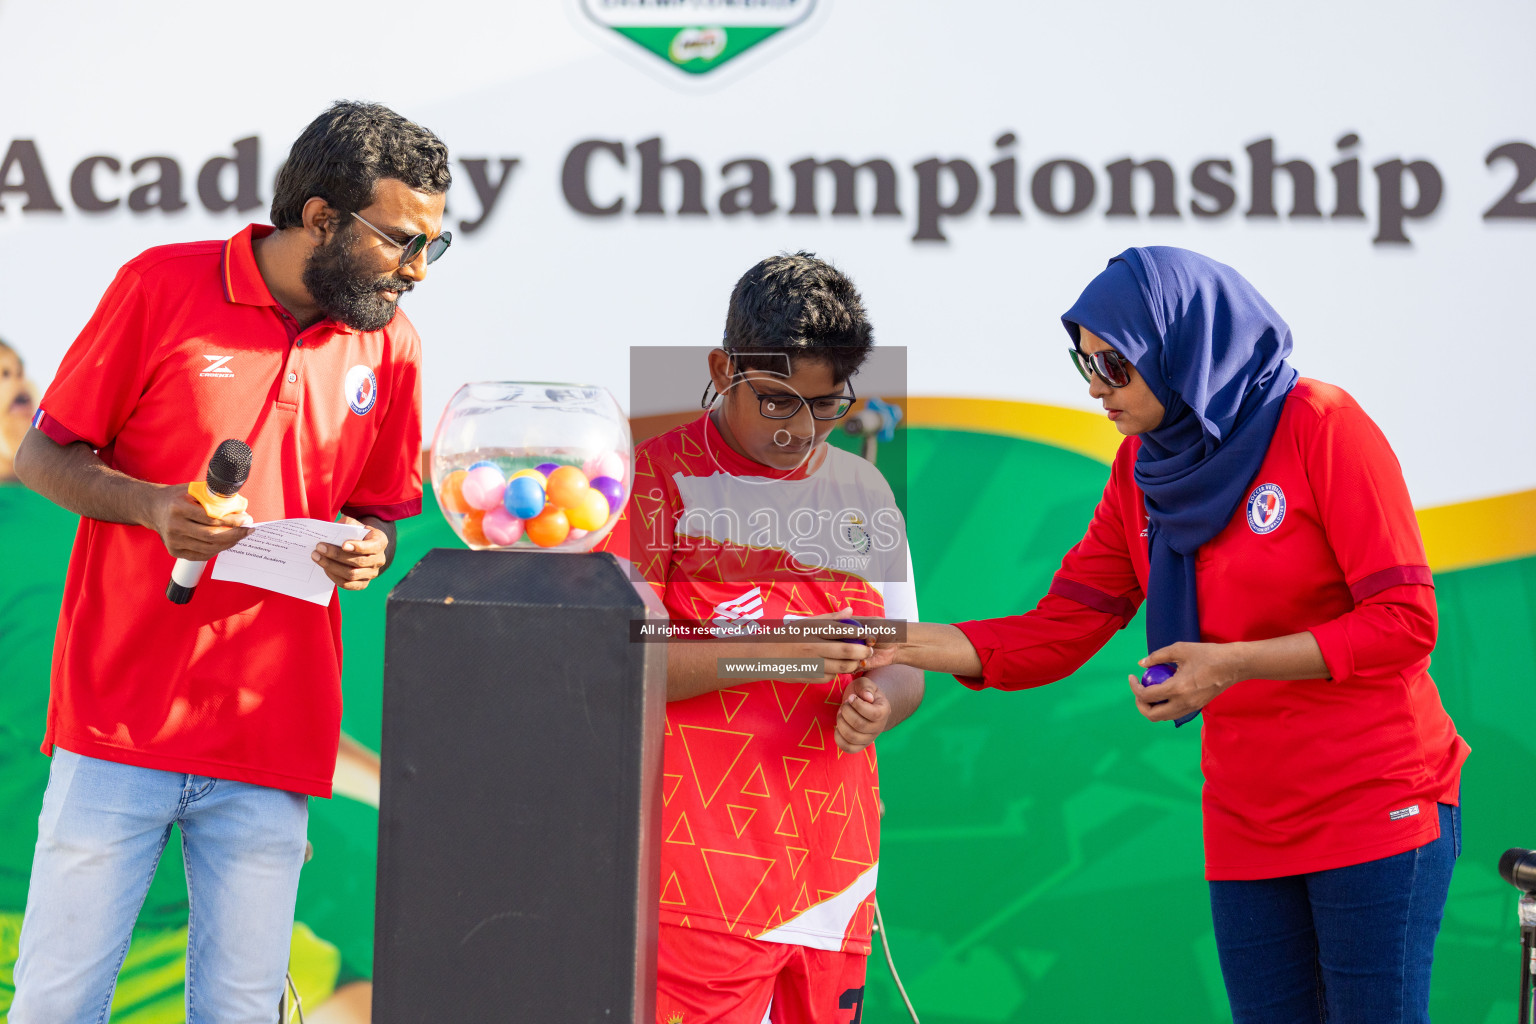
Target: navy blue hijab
[1213,352]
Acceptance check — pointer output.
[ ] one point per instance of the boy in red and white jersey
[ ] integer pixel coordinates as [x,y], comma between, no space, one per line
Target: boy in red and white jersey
[743,520]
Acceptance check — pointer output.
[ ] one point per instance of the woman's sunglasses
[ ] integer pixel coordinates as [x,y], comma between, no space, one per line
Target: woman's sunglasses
[411,249]
[1112,367]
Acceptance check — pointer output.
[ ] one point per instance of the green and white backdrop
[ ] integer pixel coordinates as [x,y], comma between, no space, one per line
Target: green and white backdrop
[618,163]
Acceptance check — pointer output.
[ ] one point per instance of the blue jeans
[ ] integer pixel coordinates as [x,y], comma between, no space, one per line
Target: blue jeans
[1352,945]
[99,839]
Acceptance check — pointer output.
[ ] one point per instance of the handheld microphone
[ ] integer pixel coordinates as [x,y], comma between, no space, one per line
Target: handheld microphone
[219,496]
[1518,868]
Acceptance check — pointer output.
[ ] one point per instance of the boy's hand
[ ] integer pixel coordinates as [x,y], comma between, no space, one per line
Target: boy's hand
[838,657]
[862,715]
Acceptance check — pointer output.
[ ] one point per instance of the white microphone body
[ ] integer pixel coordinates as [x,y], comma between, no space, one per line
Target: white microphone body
[186,574]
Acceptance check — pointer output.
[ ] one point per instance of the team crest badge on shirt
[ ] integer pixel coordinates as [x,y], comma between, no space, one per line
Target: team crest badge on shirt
[362,389]
[1266,508]
[855,536]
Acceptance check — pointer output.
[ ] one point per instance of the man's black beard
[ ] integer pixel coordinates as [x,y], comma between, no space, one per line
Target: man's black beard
[345,291]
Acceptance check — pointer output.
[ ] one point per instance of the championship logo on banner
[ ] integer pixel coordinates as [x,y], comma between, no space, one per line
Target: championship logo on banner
[698,36]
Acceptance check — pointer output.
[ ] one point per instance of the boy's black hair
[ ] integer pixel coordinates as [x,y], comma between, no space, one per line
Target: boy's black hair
[800,307]
[344,152]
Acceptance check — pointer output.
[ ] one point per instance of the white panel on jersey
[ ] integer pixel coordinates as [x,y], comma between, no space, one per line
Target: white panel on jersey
[823,926]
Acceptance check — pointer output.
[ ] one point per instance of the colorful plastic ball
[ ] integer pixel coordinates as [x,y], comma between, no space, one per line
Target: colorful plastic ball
[501,527]
[591,512]
[483,487]
[1157,674]
[451,493]
[532,474]
[611,489]
[548,528]
[568,487]
[485,462]
[609,464]
[576,535]
[547,468]
[524,497]
[473,530]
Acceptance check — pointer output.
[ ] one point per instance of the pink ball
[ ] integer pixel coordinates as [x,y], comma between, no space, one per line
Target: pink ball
[576,534]
[609,464]
[483,488]
[501,527]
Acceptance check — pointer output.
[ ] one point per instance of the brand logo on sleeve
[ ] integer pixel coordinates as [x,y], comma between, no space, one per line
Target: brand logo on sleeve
[218,366]
[362,389]
[1266,508]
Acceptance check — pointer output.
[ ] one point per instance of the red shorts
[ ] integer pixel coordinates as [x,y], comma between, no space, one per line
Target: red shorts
[713,978]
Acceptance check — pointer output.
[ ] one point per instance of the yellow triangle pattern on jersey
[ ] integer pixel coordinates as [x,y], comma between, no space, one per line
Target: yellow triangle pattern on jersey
[740,816]
[694,738]
[794,767]
[731,702]
[757,783]
[682,832]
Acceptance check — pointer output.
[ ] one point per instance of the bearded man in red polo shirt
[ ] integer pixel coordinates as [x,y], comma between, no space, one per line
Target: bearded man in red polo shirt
[222,715]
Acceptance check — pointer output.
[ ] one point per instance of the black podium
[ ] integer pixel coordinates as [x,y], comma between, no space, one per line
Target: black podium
[520,799]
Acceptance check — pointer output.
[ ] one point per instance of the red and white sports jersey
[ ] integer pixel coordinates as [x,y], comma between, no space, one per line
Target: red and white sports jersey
[186,349]
[769,830]
[1301,775]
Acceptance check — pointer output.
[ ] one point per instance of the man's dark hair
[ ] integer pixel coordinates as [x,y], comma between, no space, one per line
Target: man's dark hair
[801,307]
[344,152]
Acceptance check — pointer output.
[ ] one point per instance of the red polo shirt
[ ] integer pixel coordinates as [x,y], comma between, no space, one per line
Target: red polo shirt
[187,348]
[1303,775]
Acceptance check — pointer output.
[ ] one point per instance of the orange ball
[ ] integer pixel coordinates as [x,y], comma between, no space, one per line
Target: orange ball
[451,493]
[568,487]
[591,513]
[548,528]
[473,530]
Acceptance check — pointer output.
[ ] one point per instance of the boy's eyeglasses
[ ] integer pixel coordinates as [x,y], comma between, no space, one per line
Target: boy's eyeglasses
[780,405]
[1112,367]
[412,248]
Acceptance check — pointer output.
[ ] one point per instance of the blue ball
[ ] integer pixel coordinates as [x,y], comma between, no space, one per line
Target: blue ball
[524,497]
[483,462]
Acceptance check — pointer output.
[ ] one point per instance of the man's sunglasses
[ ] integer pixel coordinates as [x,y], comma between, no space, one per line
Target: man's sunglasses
[1112,367]
[782,405]
[411,249]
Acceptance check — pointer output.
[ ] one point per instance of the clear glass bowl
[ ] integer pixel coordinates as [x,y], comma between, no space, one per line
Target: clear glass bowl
[532,466]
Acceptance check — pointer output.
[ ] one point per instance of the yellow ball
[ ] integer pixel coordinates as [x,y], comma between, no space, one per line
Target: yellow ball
[591,512]
[530,472]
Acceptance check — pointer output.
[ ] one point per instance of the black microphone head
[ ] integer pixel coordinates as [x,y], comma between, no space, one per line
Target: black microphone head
[1518,868]
[229,467]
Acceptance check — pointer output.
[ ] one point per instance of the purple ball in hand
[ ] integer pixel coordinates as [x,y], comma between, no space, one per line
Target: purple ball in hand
[1157,674]
[611,489]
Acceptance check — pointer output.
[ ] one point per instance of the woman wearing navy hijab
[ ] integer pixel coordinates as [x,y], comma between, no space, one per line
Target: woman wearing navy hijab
[1263,518]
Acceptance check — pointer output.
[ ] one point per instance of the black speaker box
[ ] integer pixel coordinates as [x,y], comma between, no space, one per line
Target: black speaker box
[520,798]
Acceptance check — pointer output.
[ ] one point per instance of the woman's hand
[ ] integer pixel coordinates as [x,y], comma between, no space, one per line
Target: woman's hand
[1204,670]
[934,646]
